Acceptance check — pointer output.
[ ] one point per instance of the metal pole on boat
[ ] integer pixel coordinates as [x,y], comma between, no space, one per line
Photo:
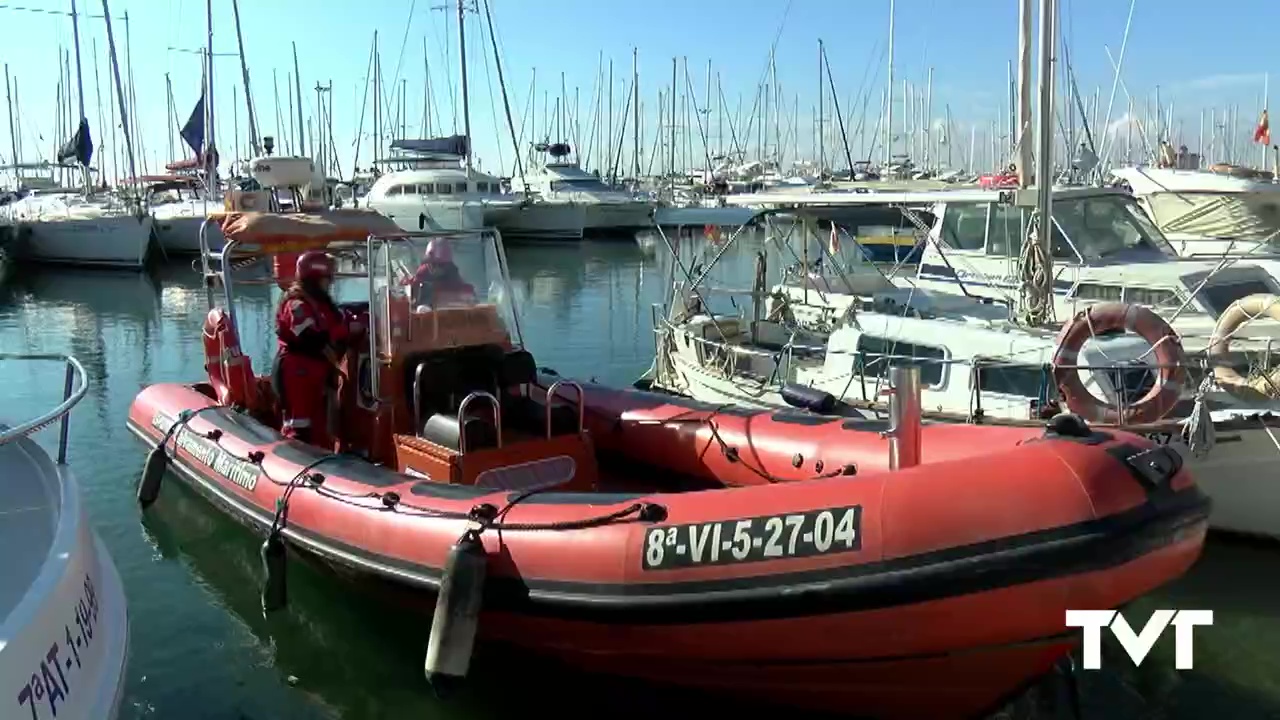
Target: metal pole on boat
[888,103]
[297,87]
[1044,153]
[462,63]
[244,74]
[13,136]
[1024,94]
[904,416]
[115,70]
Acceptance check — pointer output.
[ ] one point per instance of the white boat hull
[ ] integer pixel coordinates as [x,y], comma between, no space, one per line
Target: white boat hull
[1239,474]
[544,220]
[608,216]
[66,640]
[180,234]
[115,241]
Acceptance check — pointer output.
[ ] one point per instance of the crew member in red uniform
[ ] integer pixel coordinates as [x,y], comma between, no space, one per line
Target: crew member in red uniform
[312,332]
[437,282]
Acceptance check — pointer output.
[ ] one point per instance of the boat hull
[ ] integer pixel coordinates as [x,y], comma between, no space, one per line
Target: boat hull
[67,638]
[971,608]
[544,221]
[180,234]
[114,241]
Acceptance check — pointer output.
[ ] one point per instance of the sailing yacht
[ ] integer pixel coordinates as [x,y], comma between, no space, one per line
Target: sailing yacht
[62,225]
[1105,249]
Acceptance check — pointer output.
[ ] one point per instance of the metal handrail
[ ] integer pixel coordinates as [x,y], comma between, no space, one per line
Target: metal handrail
[71,396]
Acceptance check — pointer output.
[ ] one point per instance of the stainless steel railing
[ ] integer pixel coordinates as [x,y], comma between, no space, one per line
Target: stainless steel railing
[72,393]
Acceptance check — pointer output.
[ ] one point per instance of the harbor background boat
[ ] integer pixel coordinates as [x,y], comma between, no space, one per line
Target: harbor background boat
[200,640]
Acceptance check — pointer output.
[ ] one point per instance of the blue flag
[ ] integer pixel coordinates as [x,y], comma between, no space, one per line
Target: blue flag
[193,131]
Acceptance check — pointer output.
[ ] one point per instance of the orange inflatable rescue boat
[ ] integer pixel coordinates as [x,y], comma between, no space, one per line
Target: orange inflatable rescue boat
[767,554]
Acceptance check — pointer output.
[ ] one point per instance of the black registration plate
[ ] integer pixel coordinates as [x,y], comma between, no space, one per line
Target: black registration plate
[771,537]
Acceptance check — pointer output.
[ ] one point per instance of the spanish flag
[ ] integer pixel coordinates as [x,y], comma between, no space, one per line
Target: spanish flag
[1263,133]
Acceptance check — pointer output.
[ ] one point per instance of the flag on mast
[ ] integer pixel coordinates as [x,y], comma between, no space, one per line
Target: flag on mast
[1262,134]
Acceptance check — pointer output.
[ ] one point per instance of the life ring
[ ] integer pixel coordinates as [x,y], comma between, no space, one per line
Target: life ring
[1228,378]
[1110,317]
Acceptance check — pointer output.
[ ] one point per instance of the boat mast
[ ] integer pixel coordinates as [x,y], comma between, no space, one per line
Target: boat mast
[115,70]
[672,155]
[822,150]
[244,73]
[297,86]
[8,96]
[635,114]
[888,102]
[1024,93]
[466,104]
[210,151]
[1044,155]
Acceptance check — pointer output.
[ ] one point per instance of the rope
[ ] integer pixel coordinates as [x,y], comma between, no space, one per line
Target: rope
[486,515]
[1198,427]
[1036,288]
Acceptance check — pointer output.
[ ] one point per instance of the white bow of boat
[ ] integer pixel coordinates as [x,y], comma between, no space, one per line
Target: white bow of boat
[64,629]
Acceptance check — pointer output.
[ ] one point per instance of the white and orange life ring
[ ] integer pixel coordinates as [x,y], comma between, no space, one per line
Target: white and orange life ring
[1250,307]
[1110,317]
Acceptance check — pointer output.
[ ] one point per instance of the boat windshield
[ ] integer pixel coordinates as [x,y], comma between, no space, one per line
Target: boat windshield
[444,272]
[1104,225]
[580,184]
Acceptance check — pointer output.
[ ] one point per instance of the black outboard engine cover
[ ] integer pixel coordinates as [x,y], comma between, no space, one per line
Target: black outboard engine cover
[807,398]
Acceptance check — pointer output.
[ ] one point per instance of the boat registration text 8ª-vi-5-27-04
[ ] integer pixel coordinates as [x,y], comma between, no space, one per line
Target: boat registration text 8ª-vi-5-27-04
[771,537]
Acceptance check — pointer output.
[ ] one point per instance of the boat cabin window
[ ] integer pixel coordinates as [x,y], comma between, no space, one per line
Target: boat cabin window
[876,354]
[1099,226]
[1219,296]
[444,188]
[964,225]
[580,184]
[1029,381]
[460,188]
[482,187]
[1009,227]
[427,189]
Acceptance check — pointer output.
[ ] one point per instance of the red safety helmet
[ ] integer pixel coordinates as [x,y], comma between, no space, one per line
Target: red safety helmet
[438,251]
[315,264]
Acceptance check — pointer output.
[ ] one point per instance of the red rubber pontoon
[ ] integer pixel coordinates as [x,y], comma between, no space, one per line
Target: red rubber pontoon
[767,554]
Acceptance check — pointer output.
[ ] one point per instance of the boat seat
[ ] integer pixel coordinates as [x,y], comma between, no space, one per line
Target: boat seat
[447,432]
[517,368]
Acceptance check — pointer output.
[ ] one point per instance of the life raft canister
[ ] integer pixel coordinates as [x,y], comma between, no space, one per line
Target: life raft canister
[1250,307]
[1166,349]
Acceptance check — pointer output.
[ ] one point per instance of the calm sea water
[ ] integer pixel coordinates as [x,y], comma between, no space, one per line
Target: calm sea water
[200,647]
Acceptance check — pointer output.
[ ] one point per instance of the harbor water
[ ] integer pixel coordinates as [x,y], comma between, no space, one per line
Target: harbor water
[201,649]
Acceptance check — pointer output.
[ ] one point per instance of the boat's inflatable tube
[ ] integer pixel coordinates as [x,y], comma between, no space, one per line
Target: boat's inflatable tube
[1166,353]
[1228,378]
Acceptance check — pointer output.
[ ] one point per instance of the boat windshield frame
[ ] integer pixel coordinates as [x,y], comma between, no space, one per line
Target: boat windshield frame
[234,249]
[1084,240]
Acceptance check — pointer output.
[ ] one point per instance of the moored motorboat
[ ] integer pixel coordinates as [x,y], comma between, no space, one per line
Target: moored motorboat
[64,629]
[773,555]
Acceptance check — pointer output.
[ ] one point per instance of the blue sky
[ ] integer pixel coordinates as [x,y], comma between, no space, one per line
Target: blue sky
[966,42]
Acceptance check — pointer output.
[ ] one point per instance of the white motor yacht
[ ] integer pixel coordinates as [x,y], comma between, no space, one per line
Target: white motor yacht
[564,201]
[1209,213]
[64,627]
[440,196]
